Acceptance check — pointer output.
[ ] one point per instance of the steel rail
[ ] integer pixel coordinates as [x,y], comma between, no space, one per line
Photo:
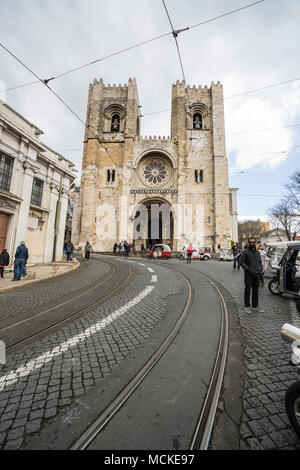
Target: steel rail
[79,312]
[92,431]
[202,433]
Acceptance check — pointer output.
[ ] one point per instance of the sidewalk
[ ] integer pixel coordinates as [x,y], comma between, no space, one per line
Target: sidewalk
[37,273]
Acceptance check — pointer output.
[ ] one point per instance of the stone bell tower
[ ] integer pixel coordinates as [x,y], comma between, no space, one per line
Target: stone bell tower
[113,114]
[197,127]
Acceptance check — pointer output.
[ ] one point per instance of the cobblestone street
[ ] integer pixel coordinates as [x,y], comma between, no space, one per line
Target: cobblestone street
[42,379]
[268,374]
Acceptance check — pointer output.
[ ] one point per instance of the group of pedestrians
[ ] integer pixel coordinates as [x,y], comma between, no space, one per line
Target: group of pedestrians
[124,246]
[68,250]
[20,260]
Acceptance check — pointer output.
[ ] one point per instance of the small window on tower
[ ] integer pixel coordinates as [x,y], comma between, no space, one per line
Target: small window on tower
[197,121]
[115,123]
[108,176]
[198,176]
[113,174]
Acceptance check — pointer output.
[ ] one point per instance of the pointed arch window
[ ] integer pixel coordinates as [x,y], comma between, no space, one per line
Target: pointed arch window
[115,123]
[197,121]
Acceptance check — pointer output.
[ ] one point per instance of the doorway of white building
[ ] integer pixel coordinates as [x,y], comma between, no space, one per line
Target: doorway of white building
[4,218]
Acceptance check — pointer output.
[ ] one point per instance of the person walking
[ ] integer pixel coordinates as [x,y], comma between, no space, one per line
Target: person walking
[21,256]
[69,251]
[4,261]
[236,256]
[251,263]
[189,253]
[115,248]
[87,250]
[263,257]
[127,249]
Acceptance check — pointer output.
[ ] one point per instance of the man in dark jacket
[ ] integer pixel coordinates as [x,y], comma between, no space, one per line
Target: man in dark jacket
[4,261]
[21,257]
[251,263]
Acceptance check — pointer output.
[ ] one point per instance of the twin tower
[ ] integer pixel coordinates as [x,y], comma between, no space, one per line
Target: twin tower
[125,175]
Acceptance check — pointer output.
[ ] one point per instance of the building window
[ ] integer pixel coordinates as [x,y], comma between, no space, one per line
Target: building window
[37,192]
[115,123]
[110,176]
[197,121]
[6,169]
[198,176]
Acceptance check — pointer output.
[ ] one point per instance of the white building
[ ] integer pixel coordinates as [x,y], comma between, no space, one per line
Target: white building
[31,178]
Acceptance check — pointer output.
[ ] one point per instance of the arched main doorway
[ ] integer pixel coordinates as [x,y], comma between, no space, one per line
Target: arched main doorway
[153,223]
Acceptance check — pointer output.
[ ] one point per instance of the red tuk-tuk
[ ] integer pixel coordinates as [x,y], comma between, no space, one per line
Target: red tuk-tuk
[160,251]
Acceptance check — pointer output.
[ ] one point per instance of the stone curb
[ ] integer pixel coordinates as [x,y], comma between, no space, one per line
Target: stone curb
[75,265]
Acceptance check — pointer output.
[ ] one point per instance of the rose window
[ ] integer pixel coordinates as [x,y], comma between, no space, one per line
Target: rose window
[155,172]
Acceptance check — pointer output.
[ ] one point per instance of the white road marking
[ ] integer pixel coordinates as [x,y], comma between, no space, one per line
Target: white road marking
[151,270]
[154,279]
[35,364]
[141,264]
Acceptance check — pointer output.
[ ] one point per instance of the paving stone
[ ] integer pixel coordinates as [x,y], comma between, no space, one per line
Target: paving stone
[36,414]
[50,412]
[5,425]
[14,445]
[256,428]
[33,426]
[16,433]
[19,422]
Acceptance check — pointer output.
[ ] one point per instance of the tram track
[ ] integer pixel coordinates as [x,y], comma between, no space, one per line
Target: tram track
[74,315]
[202,432]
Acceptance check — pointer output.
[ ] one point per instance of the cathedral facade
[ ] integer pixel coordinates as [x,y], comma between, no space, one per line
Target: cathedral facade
[158,189]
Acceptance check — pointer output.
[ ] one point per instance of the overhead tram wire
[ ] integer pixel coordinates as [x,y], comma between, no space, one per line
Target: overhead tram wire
[175,34]
[239,94]
[45,82]
[134,46]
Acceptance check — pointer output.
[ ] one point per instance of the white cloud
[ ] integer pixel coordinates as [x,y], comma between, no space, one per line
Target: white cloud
[263,147]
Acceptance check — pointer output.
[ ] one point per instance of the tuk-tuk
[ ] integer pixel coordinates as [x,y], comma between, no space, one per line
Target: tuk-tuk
[160,251]
[198,253]
[275,252]
[226,254]
[287,278]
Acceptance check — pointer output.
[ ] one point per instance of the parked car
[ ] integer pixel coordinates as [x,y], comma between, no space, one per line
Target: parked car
[160,251]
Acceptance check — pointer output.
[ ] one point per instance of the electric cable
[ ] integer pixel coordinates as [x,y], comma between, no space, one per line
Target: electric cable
[45,82]
[136,45]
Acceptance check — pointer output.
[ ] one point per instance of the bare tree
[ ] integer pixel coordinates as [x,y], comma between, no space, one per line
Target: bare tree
[285,215]
[294,189]
[250,228]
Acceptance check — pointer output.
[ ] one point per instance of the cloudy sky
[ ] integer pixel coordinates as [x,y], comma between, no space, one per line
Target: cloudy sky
[248,50]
